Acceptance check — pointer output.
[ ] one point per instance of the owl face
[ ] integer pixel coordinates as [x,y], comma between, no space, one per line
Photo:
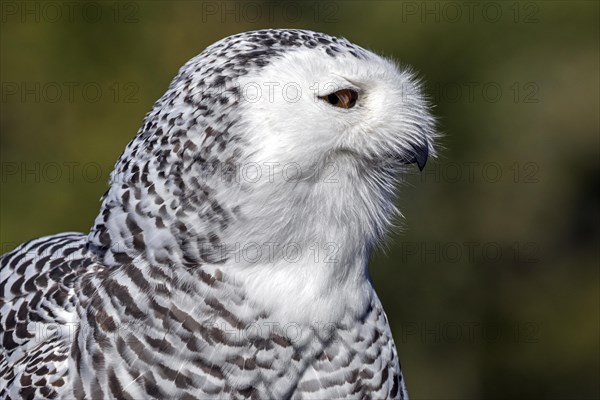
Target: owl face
[312,110]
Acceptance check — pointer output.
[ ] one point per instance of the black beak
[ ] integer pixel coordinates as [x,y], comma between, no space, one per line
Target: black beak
[418,155]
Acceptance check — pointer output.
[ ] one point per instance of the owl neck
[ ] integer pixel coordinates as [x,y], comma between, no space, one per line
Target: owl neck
[308,227]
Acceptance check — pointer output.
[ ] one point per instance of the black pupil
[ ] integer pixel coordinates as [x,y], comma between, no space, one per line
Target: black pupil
[333,99]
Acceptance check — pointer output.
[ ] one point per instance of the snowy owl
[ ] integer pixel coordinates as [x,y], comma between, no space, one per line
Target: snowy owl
[229,257]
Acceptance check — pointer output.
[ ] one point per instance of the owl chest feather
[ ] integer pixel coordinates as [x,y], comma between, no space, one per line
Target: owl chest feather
[208,337]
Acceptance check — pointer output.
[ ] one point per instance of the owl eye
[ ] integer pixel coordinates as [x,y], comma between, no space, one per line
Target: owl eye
[345,98]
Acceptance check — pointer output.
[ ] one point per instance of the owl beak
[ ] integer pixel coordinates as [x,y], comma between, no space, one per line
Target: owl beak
[418,155]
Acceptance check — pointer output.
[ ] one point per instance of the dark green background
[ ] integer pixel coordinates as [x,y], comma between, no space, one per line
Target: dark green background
[492,287]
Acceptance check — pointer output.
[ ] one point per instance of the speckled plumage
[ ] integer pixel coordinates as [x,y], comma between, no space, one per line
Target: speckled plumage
[185,286]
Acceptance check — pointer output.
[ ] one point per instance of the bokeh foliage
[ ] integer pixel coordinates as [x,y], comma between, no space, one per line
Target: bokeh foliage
[492,285]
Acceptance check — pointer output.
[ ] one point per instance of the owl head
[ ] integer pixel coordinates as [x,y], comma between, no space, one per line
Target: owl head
[268,135]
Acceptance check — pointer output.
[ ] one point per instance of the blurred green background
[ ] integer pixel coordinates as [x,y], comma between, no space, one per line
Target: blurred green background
[492,287]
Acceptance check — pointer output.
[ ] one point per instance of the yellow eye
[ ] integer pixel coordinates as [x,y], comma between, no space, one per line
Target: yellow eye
[345,98]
